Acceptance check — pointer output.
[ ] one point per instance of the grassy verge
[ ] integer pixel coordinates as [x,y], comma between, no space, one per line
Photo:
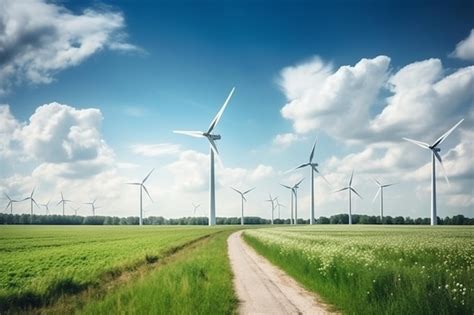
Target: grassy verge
[377,271]
[196,280]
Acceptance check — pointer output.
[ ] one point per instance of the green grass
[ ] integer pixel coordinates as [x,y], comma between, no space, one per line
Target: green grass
[197,281]
[39,265]
[377,270]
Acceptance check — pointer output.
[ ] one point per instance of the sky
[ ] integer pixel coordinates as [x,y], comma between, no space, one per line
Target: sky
[91,91]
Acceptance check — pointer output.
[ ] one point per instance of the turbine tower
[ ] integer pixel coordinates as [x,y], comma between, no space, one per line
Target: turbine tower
[142,187]
[212,150]
[350,189]
[279,205]
[272,201]
[242,195]
[294,192]
[195,208]
[46,206]
[313,166]
[435,156]
[92,204]
[32,200]
[10,203]
[380,190]
[63,201]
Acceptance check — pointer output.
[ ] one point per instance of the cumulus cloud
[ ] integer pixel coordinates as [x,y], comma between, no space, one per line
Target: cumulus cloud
[156,150]
[284,140]
[465,48]
[39,39]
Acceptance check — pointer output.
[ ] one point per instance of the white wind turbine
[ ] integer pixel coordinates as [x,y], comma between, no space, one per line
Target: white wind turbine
[242,195]
[195,208]
[32,200]
[272,201]
[46,206]
[313,166]
[213,150]
[92,204]
[142,187]
[279,205]
[63,201]
[435,156]
[75,210]
[380,191]
[10,203]
[294,192]
[350,189]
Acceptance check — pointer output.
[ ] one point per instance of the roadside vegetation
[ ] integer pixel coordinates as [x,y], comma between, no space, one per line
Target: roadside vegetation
[42,264]
[377,270]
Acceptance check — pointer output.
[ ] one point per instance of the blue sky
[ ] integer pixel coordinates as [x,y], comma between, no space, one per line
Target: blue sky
[179,60]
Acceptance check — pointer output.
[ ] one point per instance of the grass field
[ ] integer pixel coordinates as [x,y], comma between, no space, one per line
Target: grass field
[40,264]
[377,270]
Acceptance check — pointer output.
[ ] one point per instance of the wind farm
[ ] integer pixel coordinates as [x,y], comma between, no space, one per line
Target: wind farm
[236,157]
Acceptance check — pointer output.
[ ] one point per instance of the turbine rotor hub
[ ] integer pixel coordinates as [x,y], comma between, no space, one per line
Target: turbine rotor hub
[214,137]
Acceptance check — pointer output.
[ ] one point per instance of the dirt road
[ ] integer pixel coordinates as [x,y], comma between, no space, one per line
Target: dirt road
[262,288]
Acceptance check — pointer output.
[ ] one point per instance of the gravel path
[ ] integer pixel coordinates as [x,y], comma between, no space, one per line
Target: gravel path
[262,288]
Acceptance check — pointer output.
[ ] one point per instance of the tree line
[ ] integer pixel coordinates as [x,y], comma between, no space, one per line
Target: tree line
[6,218]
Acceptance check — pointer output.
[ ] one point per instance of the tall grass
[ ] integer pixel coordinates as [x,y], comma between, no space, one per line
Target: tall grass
[377,270]
[197,281]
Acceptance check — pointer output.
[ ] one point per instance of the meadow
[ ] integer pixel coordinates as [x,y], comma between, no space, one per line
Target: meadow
[40,265]
[377,270]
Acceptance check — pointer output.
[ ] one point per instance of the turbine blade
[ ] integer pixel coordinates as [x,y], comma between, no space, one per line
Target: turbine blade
[246,192]
[388,185]
[216,119]
[213,145]
[195,134]
[322,176]
[133,183]
[298,167]
[59,202]
[350,180]
[418,143]
[286,186]
[144,180]
[376,181]
[236,190]
[446,134]
[375,197]
[298,183]
[356,193]
[342,189]
[312,152]
[32,192]
[8,197]
[146,190]
[34,201]
[438,157]
[243,197]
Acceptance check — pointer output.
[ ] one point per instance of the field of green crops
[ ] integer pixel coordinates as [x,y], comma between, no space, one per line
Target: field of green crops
[377,270]
[39,264]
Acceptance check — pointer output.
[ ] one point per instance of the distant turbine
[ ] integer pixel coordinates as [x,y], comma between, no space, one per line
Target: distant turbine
[32,200]
[435,156]
[142,187]
[195,208]
[279,205]
[63,201]
[75,210]
[272,201]
[313,167]
[242,195]
[380,190]
[213,150]
[10,203]
[46,206]
[294,192]
[350,189]
[92,204]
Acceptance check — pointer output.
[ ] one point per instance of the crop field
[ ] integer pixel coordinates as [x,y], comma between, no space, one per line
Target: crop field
[377,270]
[41,264]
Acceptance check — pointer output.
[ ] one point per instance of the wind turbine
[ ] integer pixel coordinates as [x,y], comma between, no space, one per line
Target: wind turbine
[272,201]
[46,206]
[213,150]
[435,156]
[63,201]
[32,200]
[92,204]
[279,205]
[195,208]
[313,166]
[380,190]
[10,203]
[350,189]
[75,210]
[294,192]
[242,195]
[142,187]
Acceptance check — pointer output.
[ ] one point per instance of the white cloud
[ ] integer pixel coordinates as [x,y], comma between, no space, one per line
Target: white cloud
[465,48]
[39,39]
[156,150]
[284,140]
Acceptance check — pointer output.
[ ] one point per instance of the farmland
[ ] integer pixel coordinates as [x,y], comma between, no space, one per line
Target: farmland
[377,270]
[41,264]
